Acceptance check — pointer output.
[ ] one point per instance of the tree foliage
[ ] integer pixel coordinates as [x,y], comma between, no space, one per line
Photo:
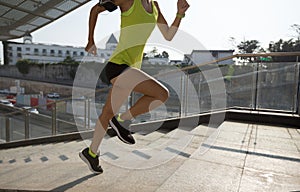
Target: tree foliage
[69,61]
[249,46]
[155,54]
[23,66]
[291,45]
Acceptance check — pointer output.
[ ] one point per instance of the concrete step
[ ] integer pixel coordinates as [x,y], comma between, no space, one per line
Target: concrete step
[112,149]
[169,161]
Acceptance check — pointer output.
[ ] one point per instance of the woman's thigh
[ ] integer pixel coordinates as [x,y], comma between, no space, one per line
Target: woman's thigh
[135,80]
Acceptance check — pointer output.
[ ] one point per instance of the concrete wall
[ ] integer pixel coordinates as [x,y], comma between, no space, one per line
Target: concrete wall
[51,73]
[34,87]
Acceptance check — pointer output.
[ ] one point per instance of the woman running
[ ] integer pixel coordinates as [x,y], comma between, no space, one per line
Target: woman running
[138,19]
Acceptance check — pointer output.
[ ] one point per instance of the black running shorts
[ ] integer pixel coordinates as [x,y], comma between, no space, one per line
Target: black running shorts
[112,70]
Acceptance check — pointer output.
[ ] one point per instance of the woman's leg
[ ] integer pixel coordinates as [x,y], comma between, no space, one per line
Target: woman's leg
[108,111]
[154,93]
[130,80]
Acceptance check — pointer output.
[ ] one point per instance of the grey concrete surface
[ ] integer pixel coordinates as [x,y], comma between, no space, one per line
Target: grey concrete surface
[236,157]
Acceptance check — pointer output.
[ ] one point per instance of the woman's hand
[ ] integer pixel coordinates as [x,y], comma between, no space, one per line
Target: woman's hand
[182,6]
[91,48]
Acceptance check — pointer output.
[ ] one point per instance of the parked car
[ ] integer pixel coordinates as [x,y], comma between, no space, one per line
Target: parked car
[6,102]
[53,95]
[4,91]
[31,109]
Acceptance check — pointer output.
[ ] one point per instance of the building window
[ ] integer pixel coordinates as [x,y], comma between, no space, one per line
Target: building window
[74,53]
[44,51]
[59,53]
[68,53]
[52,52]
[27,48]
[10,54]
[19,49]
[81,53]
[9,48]
[19,55]
[36,51]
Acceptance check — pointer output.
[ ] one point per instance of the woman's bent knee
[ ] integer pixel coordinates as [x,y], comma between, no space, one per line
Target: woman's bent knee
[163,94]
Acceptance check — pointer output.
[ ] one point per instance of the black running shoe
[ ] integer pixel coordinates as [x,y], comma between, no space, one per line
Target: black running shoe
[122,131]
[93,163]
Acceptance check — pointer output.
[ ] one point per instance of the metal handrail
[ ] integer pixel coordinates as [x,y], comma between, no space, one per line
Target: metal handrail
[273,54]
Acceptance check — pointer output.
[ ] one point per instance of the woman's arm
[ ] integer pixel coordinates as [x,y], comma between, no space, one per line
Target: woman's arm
[169,31]
[90,47]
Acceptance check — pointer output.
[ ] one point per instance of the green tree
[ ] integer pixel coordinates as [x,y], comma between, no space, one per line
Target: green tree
[165,54]
[69,61]
[249,46]
[153,52]
[290,45]
[23,66]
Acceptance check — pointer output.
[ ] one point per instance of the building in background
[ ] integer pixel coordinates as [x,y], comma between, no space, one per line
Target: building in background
[44,53]
[51,53]
[203,56]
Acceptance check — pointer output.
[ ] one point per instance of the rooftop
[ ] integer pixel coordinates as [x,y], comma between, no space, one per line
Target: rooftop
[20,17]
[112,39]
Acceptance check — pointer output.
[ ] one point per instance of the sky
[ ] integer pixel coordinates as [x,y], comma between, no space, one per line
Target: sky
[211,22]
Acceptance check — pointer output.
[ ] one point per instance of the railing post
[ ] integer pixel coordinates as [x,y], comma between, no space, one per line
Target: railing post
[295,102]
[255,87]
[199,93]
[54,129]
[298,88]
[186,84]
[181,95]
[89,113]
[85,116]
[27,132]
[7,129]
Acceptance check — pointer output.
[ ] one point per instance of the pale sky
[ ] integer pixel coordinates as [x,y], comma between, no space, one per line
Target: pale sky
[211,22]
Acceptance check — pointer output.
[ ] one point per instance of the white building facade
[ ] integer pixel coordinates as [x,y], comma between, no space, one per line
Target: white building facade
[43,53]
[203,56]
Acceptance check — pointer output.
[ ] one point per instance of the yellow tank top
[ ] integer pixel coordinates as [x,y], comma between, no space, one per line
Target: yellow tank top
[136,27]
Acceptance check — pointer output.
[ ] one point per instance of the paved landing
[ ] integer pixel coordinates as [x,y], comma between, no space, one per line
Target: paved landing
[236,157]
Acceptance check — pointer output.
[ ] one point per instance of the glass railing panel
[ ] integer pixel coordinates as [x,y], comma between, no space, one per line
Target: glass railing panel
[40,125]
[174,81]
[192,90]
[209,84]
[240,84]
[12,124]
[277,86]
[172,107]
[17,126]
[71,119]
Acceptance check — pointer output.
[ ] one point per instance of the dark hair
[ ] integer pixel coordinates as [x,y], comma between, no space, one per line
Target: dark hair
[108,5]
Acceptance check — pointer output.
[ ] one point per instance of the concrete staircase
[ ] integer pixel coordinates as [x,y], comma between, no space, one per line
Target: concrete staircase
[235,157]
